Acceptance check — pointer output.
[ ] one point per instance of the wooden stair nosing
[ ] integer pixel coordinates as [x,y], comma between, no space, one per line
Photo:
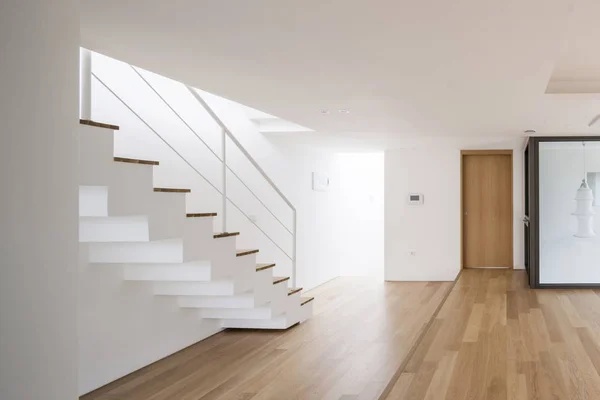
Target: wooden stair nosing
[200,215]
[305,300]
[277,280]
[172,190]
[241,253]
[262,267]
[294,291]
[98,124]
[225,234]
[135,161]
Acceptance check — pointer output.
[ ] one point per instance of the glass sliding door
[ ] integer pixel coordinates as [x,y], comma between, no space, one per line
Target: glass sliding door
[567,212]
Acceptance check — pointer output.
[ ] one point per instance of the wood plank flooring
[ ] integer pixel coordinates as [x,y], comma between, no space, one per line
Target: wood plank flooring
[496,339]
[357,340]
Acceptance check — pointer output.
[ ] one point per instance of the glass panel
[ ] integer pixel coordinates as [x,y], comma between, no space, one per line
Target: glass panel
[569,215]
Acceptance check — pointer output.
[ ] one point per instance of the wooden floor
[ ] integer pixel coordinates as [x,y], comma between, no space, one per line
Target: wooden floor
[355,344]
[492,339]
[495,339]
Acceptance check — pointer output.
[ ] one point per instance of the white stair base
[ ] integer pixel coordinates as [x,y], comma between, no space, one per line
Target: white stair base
[124,221]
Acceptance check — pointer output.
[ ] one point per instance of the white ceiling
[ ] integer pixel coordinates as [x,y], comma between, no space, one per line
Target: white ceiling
[405,69]
[577,69]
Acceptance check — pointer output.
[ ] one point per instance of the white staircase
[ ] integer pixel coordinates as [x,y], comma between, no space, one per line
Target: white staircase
[124,220]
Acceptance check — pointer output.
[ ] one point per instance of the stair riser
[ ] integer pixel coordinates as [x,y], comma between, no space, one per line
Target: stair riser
[188,248]
[306,311]
[167,251]
[238,301]
[244,273]
[217,288]
[277,323]
[197,271]
[263,286]
[221,313]
[142,229]
[114,229]
[96,148]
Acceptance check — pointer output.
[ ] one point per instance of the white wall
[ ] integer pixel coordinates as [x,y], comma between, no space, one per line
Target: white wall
[123,326]
[563,257]
[39,47]
[432,230]
[359,184]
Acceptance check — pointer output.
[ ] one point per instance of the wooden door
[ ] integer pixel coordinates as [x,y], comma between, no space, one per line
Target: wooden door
[487,210]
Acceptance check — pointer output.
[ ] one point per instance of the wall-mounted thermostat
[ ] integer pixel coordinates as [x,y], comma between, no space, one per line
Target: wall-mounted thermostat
[416,199]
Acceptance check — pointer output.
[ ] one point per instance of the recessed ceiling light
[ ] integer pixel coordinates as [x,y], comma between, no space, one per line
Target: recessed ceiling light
[530,131]
[324,111]
[344,111]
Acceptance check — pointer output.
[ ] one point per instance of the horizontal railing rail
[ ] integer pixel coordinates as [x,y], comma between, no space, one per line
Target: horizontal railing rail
[224,161]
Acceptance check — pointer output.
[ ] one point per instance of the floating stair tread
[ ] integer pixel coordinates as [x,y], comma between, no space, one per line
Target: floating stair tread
[280,279]
[294,291]
[98,124]
[225,234]
[172,190]
[134,161]
[304,300]
[241,253]
[262,267]
[201,215]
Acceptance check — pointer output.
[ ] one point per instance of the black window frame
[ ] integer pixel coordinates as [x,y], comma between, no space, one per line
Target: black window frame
[533,146]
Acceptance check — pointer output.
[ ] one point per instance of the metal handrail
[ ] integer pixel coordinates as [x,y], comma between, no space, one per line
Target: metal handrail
[227,132]
[239,145]
[223,160]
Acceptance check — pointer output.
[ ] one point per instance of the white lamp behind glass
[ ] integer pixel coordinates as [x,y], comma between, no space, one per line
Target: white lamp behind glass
[585,211]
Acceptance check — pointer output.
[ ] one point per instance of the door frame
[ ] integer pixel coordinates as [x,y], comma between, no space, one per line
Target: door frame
[502,152]
[534,217]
